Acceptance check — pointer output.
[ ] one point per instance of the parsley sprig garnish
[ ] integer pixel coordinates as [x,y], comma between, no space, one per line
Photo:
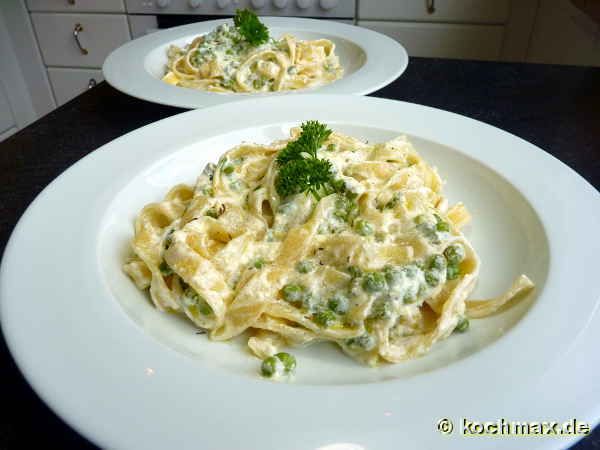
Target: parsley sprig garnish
[313,135]
[300,168]
[250,27]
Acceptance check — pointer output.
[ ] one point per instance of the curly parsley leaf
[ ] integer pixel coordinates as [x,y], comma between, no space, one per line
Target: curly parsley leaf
[304,175]
[250,27]
[313,135]
[300,168]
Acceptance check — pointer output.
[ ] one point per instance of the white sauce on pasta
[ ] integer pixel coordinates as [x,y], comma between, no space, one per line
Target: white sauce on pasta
[222,61]
[381,269]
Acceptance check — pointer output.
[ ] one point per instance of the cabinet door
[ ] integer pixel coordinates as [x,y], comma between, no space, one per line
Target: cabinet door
[444,40]
[98,35]
[465,11]
[7,120]
[69,83]
[76,5]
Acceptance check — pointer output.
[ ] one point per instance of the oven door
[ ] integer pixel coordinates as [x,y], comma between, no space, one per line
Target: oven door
[142,24]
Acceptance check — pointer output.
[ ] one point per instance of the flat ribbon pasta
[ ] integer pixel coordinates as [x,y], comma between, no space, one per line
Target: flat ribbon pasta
[380,267]
[221,61]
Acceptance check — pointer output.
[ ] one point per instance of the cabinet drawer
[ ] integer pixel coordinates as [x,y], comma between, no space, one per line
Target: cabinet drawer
[444,40]
[465,11]
[69,83]
[76,5]
[99,35]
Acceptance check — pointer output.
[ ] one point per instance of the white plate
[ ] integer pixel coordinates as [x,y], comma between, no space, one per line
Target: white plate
[370,60]
[127,376]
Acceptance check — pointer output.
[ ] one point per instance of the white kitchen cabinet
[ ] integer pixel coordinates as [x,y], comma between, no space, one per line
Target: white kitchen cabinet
[97,36]
[76,5]
[69,83]
[7,119]
[18,107]
[463,11]
[444,40]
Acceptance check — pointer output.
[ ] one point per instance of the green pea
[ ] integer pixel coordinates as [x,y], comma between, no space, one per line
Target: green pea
[454,253]
[212,212]
[409,297]
[338,304]
[381,309]
[293,293]
[191,294]
[428,229]
[462,325]
[432,278]
[258,83]
[365,342]
[410,271]
[421,219]
[392,275]
[304,266]
[259,263]
[165,269]
[436,262]
[268,367]
[354,271]
[373,282]
[363,227]
[228,170]
[331,147]
[346,208]
[392,203]
[324,318]
[289,361]
[441,224]
[452,271]
[204,307]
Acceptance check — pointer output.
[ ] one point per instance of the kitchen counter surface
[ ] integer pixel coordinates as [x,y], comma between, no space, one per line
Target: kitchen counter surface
[555,107]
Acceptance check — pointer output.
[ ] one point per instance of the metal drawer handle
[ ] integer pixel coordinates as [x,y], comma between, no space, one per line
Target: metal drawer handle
[430,6]
[92,83]
[78,29]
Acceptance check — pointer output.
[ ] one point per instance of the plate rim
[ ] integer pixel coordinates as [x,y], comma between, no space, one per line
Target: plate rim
[131,57]
[9,305]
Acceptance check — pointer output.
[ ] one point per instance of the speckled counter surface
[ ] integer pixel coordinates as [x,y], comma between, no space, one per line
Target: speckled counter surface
[556,108]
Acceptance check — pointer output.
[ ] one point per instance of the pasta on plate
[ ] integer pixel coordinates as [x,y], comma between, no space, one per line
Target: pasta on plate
[321,237]
[228,60]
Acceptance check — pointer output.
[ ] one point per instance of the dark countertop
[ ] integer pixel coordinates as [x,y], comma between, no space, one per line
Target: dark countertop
[554,107]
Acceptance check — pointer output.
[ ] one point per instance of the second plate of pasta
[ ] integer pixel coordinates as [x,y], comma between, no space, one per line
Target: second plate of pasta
[214,62]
